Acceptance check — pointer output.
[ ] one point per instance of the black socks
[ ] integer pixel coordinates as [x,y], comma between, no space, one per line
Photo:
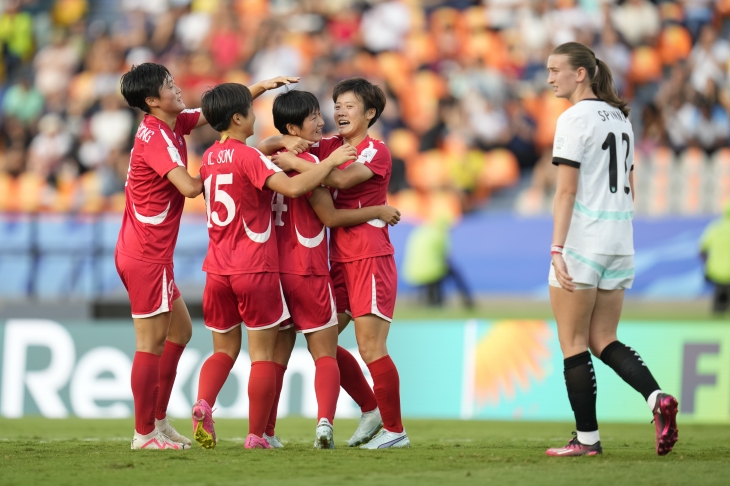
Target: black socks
[580,380]
[630,367]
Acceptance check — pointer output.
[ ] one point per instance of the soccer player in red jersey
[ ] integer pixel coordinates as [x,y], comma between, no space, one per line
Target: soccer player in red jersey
[362,264]
[242,265]
[157,184]
[304,270]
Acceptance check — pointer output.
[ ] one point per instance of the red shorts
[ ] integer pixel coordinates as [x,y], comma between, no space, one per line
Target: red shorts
[151,286]
[255,300]
[310,301]
[366,286]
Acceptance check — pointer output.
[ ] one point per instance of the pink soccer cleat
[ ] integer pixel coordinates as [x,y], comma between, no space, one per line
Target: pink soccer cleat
[665,421]
[203,429]
[575,448]
[255,442]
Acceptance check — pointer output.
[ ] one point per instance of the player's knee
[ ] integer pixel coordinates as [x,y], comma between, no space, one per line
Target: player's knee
[372,350]
[597,345]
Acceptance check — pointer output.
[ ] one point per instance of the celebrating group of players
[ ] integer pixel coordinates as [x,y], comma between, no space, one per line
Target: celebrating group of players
[267,266]
[276,283]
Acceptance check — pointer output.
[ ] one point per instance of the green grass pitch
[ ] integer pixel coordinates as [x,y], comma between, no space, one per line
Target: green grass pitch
[79,452]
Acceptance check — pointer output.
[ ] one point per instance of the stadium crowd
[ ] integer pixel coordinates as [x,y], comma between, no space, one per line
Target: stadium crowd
[468,113]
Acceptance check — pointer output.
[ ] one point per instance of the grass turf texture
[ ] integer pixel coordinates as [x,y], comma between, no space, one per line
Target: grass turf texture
[76,452]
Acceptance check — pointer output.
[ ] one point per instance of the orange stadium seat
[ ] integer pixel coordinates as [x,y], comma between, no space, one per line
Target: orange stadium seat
[396,69]
[500,169]
[674,44]
[428,170]
[92,200]
[420,48]
[403,143]
[721,179]
[646,65]
[30,189]
[7,190]
[691,169]
[662,163]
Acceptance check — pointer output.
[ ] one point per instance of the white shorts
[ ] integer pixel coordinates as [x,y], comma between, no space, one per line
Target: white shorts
[590,270]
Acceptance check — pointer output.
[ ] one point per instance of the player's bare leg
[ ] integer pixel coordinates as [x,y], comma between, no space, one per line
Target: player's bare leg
[343,319]
[354,383]
[573,312]
[150,334]
[627,363]
[323,348]
[178,335]
[213,374]
[371,332]
[282,352]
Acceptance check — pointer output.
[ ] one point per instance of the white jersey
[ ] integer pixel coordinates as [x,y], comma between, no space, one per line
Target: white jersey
[598,140]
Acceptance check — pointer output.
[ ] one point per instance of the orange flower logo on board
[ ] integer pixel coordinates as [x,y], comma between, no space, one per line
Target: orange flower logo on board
[508,357]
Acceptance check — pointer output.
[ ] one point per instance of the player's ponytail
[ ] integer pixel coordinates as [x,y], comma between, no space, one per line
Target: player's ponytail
[579,55]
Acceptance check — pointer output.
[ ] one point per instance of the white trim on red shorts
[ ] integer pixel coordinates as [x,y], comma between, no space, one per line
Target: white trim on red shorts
[288,326]
[333,320]
[374,304]
[164,307]
[223,331]
[284,314]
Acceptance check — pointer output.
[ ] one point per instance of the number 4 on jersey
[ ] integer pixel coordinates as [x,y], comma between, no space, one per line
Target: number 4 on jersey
[610,145]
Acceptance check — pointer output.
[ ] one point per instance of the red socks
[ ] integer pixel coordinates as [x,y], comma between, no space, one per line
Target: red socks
[261,394]
[387,392]
[213,375]
[271,425]
[145,388]
[168,370]
[326,387]
[353,381]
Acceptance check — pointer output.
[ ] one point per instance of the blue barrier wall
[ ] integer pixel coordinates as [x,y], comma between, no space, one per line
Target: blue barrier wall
[500,254]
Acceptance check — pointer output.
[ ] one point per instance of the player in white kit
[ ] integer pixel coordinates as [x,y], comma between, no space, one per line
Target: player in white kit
[593,244]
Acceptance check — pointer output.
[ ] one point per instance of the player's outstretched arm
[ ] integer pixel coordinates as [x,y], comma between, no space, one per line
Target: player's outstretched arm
[321,202]
[258,89]
[262,86]
[187,185]
[293,144]
[338,179]
[303,183]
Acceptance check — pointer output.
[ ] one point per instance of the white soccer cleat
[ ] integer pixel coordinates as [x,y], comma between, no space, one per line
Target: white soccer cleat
[324,438]
[370,424]
[388,440]
[273,441]
[166,428]
[156,440]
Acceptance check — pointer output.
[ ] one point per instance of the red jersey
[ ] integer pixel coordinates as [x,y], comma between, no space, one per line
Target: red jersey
[154,205]
[369,239]
[299,233]
[239,210]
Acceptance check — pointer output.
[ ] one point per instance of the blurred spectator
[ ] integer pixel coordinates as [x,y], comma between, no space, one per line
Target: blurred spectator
[112,125]
[50,147]
[384,25]
[55,64]
[273,56]
[715,251]
[637,21]
[709,59]
[427,264]
[16,37]
[23,102]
